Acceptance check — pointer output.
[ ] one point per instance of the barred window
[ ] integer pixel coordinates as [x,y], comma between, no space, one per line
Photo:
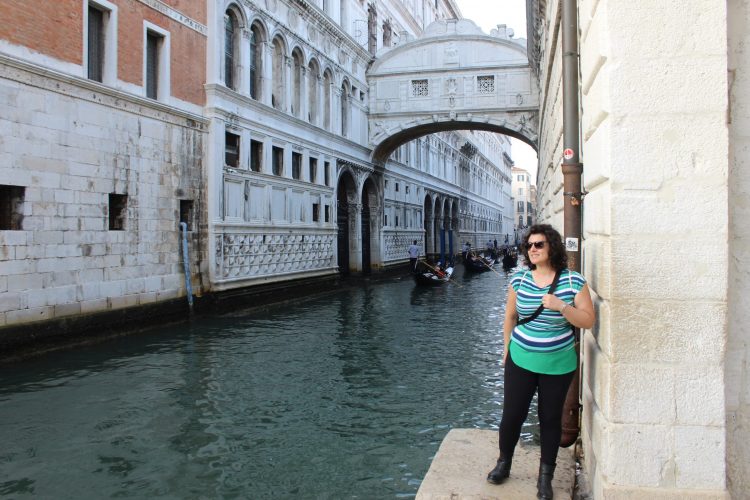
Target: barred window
[420,88]
[486,84]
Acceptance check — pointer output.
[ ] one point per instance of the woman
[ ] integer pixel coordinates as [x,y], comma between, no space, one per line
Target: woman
[540,354]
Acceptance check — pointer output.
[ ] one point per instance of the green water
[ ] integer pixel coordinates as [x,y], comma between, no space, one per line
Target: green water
[344,395]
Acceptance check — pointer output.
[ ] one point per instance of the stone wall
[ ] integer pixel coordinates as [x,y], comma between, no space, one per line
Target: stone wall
[654,148]
[737,375]
[69,144]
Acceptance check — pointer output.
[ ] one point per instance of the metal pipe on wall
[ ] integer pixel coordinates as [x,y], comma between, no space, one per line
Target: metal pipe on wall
[572,170]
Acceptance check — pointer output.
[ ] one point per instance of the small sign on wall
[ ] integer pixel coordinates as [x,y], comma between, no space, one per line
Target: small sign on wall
[571,244]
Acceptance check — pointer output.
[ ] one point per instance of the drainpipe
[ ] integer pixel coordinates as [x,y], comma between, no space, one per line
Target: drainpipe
[572,169]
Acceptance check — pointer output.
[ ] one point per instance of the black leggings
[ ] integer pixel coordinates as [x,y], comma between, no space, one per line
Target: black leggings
[520,386]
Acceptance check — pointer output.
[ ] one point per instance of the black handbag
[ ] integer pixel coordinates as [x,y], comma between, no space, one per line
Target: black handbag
[539,309]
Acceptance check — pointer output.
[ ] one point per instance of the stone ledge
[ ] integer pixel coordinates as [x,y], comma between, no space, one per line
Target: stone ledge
[460,467]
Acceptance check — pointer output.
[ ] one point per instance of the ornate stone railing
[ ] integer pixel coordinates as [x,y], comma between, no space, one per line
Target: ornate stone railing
[262,252]
[397,242]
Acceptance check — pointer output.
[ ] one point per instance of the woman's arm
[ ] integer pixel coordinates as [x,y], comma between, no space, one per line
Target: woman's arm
[581,316]
[511,318]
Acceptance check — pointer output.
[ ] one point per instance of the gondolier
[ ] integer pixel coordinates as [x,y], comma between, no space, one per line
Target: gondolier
[413,256]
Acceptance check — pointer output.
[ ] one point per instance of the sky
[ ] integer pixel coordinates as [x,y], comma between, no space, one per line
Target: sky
[487,14]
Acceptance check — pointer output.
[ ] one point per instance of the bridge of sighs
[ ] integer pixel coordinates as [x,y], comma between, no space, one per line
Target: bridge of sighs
[454,77]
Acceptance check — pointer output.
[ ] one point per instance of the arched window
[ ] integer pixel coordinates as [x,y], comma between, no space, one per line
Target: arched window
[327,83]
[231,46]
[256,61]
[313,73]
[345,109]
[297,81]
[277,93]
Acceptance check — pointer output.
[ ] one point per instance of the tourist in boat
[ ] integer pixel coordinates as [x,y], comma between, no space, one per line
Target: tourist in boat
[540,348]
[439,270]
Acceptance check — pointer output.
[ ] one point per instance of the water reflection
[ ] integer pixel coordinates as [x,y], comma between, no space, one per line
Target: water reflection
[345,395]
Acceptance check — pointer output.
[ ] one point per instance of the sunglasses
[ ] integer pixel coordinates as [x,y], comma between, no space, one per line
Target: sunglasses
[535,244]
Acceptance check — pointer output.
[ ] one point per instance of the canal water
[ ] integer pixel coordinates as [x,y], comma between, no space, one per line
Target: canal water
[343,395]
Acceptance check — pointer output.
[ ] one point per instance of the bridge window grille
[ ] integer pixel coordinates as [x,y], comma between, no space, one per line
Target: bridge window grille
[420,88]
[486,84]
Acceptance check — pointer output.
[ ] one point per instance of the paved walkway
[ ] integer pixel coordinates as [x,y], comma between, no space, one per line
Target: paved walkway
[459,470]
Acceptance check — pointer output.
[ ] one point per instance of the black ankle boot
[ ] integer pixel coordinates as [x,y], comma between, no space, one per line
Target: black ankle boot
[501,471]
[544,483]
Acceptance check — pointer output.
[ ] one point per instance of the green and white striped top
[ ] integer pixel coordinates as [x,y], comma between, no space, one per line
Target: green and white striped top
[546,344]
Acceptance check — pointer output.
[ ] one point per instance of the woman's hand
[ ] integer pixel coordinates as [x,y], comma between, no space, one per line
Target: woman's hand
[550,301]
[505,355]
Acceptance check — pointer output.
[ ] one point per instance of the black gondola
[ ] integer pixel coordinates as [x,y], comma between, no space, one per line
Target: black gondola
[478,264]
[509,261]
[430,277]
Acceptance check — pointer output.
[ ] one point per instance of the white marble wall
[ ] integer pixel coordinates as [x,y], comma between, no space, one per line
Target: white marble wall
[655,242]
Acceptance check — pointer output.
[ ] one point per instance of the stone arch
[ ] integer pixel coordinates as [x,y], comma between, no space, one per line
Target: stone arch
[371,217]
[297,83]
[427,224]
[437,223]
[257,70]
[410,130]
[346,216]
[278,72]
[234,22]
[327,98]
[313,84]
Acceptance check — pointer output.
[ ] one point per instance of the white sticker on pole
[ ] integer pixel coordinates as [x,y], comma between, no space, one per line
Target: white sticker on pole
[571,244]
[568,153]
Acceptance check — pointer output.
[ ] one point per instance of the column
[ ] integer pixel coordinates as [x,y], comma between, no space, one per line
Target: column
[355,237]
[303,94]
[288,84]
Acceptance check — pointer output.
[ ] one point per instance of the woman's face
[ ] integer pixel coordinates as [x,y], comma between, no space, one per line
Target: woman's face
[538,249]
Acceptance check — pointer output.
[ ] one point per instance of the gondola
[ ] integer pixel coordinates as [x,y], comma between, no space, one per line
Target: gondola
[478,264]
[428,277]
[509,262]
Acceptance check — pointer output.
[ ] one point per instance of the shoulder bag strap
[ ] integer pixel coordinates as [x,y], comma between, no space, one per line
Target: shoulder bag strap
[541,307]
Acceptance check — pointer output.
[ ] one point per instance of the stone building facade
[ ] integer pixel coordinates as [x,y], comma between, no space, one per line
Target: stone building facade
[524,199]
[246,120]
[101,154]
[664,133]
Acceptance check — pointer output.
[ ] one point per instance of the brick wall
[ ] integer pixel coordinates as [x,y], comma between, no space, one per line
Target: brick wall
[57,33]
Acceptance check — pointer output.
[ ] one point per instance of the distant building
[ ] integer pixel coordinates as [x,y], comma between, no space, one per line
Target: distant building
[524,199]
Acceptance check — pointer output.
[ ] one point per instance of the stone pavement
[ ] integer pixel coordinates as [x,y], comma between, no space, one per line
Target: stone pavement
[459,470]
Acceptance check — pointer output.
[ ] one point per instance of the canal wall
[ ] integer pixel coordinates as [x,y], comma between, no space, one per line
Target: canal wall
[663,401]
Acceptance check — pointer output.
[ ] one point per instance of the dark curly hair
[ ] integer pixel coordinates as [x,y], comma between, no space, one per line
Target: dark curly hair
[558,259]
